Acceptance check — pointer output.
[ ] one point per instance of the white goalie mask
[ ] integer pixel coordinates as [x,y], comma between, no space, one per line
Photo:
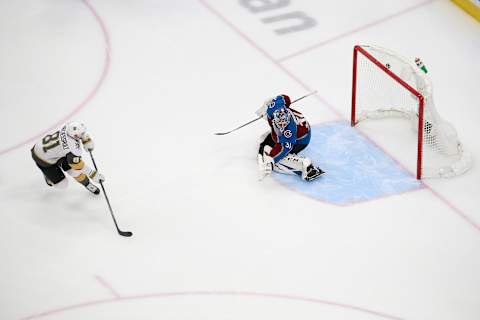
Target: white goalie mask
[281,118]
[76,130]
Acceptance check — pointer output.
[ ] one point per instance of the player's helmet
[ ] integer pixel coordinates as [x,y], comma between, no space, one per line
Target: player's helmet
[282,101]
[76,130]
[281,118]
[279,102]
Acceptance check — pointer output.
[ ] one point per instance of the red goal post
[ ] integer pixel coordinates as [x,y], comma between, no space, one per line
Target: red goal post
[385,85]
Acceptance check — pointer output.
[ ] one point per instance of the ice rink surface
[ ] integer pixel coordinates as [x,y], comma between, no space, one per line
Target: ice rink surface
[153,80]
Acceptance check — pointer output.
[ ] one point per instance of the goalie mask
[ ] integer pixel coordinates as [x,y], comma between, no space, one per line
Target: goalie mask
[282,101]
[281,118]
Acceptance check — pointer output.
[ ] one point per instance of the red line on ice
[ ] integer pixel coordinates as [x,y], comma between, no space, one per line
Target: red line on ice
[106,285]
[213,293]
[89,97]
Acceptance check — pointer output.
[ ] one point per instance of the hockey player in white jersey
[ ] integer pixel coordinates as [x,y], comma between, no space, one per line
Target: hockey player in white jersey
[61,152]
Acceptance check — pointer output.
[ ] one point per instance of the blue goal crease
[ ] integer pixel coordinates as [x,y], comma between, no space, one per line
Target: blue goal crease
[356,169]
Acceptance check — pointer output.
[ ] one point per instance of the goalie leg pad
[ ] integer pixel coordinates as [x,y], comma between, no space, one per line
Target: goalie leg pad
[265,162]
[298,165]
[293,164]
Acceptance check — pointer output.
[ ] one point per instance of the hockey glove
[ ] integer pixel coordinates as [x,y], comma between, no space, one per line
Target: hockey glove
[97,177]
[93,174]
[262,112]
[88,144]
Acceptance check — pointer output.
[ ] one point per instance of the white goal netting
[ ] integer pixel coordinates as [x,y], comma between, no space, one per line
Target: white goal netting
[388,85]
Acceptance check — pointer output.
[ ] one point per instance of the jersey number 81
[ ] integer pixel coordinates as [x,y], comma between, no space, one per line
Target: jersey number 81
[50,141]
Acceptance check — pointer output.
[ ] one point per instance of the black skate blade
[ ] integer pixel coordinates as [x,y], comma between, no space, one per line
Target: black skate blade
[315,175]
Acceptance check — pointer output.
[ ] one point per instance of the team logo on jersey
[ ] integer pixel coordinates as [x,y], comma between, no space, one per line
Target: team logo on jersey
[287,133]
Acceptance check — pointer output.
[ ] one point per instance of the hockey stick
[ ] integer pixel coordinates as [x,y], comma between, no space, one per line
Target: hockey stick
[243,125]
[120,232]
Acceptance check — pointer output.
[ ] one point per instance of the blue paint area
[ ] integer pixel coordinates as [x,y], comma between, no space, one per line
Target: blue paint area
[356,169]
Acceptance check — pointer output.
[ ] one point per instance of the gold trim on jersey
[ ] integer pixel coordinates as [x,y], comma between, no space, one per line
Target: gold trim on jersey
[83,179]
[93,174]
[77,166]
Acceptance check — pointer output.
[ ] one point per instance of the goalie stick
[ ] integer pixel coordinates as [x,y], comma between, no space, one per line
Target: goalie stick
[243,125]
[120,232]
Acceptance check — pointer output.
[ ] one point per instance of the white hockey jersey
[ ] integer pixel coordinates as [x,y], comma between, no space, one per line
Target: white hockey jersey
[57,145]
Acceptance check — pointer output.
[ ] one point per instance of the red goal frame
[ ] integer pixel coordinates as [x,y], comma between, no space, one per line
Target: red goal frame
[421,100]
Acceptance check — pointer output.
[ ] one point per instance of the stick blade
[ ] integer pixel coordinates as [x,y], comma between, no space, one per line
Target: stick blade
[220,133]
[125,233]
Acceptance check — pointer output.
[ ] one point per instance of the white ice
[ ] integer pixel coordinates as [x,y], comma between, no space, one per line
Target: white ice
[153,80]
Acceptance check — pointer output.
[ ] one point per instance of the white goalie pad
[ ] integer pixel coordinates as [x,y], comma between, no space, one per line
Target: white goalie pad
[291,164]
[265,163]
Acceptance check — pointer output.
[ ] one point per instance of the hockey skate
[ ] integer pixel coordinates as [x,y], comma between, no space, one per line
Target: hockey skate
[313,173]
[50,183]
[92,188]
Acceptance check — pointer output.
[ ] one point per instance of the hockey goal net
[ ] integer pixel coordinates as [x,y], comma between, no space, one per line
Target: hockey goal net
[387,85]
